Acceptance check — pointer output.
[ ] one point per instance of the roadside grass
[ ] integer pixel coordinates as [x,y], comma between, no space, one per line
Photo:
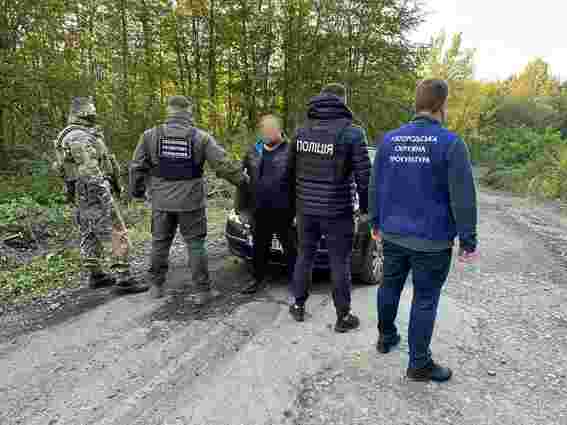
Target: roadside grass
[24,220]
[41,275]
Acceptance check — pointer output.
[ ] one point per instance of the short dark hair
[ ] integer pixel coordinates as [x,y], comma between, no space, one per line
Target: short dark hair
[334,88]
[430,95]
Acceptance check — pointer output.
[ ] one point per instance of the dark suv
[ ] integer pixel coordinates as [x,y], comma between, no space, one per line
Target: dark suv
[367,257]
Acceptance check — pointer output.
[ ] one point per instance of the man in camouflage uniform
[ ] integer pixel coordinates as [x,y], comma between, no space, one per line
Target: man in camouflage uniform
[90,171]
[174,154]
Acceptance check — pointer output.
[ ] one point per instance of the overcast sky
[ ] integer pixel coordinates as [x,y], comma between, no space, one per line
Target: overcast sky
[506,33]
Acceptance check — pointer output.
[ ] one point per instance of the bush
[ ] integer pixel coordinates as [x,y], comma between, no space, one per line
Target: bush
[527,161]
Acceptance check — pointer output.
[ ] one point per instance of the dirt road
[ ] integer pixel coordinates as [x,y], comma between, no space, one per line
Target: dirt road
[242,360]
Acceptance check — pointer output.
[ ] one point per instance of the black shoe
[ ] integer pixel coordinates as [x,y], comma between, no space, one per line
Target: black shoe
[100,280]
[432,372]
[298,312]
[157,291]
[129,286]
[347,322]
[253,287]
[385,347]
[204,295]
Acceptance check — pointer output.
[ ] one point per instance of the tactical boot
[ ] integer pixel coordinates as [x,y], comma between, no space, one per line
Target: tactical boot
[100,280]
[297,312]
[253,287]
[204,295]
[431,372]
[156,291]
[385,345]
[346,322]
[126,284]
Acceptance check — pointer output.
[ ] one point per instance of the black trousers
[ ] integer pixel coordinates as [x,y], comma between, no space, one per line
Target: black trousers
[339,232]
[266,224]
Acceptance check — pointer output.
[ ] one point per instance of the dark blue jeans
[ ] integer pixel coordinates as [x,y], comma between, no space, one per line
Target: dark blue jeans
[429,270]
[339,234]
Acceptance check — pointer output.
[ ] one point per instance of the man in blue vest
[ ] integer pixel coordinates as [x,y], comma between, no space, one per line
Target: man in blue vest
[422,196]
[328,154]
[174,154]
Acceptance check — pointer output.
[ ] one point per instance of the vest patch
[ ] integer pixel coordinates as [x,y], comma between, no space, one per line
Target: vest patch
[304,146]
[175,148]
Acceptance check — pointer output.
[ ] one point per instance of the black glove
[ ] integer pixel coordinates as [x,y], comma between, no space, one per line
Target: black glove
[116,187]
[70,191]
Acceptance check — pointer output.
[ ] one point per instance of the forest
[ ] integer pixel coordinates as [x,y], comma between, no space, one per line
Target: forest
[238,59]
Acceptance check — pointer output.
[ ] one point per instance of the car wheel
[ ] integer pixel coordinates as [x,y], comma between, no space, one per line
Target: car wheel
[373,267]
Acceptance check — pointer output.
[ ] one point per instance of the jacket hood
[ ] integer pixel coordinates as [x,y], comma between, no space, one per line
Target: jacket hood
[328,107]
[183,117]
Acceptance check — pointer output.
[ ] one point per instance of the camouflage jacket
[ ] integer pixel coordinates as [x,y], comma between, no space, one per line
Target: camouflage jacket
[81,152]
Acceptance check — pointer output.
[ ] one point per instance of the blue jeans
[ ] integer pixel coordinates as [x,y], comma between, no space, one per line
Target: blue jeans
[339,233]
[430,270]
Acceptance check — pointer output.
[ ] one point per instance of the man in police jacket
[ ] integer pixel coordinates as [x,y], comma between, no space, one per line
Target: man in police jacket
[173,154]
[422,197]
[328,154]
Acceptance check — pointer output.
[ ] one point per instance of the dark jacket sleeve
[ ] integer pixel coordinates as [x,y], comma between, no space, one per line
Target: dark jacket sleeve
[361,167]
[223,167]
[462,194]
[291,167]
[242,201]
[139,170]
[373,199]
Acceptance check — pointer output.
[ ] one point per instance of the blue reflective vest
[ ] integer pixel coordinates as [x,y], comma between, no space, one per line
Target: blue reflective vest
[412,181]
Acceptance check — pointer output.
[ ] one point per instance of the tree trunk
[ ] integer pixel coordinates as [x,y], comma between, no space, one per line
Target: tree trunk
[125,57]
[212,68]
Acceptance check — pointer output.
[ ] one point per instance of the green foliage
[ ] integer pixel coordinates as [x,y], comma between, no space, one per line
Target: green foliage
[39,276]
[528,161]
[235,59]
[518,146]
[512,111]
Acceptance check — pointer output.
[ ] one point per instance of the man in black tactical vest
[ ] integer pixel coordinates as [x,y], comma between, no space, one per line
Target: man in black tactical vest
[327,156]
[173,154]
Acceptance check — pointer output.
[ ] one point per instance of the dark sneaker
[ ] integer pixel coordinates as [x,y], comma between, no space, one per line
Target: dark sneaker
[100,280]
[298,312]
[383,346]
[432,372]
[129,285]
[347,322]
[156,291]
[253,287]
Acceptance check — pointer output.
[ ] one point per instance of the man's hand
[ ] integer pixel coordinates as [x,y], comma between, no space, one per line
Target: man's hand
[246,177]
[376,235]
[70,191]
[467,257]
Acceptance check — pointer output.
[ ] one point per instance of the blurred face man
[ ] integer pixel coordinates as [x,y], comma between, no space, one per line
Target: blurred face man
[431,99]
[270,130]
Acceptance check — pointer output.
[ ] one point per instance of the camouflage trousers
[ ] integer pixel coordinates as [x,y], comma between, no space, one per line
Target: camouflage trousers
[104,239]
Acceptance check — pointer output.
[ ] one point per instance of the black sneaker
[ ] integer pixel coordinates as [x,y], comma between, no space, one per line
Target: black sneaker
[385,347]
[432,372]
[347,322]
[253,287]
[100,280]
[298,312]
[129,285]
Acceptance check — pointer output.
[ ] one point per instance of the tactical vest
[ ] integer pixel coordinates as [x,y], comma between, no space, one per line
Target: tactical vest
[64,164]
[175,156]
[412,182]
[319,156]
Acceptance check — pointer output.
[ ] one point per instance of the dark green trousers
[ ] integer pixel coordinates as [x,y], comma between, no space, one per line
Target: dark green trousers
[193,228]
